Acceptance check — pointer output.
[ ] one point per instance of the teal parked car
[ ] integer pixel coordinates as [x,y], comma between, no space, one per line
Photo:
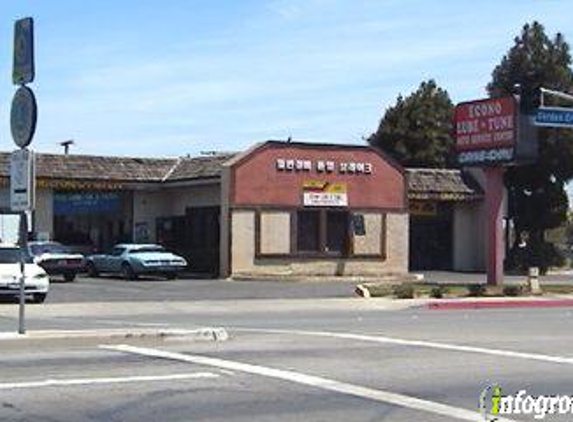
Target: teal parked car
[133,260]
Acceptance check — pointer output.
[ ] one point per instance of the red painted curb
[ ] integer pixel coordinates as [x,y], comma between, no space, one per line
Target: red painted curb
[500,303]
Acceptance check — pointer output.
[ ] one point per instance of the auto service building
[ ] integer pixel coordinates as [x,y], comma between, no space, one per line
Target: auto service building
[279,209]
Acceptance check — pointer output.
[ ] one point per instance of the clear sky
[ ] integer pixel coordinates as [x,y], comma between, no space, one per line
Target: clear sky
[175,77]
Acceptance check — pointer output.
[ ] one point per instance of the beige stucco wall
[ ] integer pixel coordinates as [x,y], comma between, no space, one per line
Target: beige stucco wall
[193,196]
[243,260]
[44,213]
[469,230]
[371,242]
[275,232]
[242,241]
[43,220]
[469,236]
[148,205]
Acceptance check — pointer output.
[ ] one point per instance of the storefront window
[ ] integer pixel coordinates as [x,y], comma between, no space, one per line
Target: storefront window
[310,235]
[337,231]
[308,231]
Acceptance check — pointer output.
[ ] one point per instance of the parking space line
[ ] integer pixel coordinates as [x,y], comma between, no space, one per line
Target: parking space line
[382,396]
[418,343]
[99,381]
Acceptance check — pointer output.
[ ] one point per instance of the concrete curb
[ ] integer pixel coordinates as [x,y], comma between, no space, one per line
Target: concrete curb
[292,278]
[201,334]
[489,303]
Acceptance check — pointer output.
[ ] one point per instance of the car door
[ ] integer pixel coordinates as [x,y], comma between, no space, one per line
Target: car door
[114,260]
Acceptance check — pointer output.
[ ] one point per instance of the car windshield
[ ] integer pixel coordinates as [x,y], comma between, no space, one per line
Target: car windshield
[41,248]
[148,249]
[12,256]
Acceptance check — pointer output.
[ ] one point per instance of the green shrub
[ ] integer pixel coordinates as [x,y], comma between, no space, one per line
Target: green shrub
[477,290]
[514,290]
[542,255]
[404,291]
[438,292]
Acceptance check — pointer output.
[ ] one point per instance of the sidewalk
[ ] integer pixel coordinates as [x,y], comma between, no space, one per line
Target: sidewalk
[501,302]
[451,277]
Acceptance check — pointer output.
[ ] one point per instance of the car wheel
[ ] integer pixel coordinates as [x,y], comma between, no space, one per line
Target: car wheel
[171,276]
[128,272]
[39,297]
[69,277]
[92,270]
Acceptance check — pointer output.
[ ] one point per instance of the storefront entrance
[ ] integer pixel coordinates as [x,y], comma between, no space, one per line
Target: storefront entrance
[92,221]
[195,236]
[431,237]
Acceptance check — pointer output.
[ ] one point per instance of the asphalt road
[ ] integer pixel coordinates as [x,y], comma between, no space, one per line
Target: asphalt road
[288,359]
[109,289]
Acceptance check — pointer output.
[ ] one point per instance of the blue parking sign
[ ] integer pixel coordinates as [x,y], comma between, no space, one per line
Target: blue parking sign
[23,71]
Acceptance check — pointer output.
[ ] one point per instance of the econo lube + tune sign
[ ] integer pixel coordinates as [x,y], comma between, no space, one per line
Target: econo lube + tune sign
[486,131]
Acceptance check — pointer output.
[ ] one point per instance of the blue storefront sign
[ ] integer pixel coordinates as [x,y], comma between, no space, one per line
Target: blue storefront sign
[84,203]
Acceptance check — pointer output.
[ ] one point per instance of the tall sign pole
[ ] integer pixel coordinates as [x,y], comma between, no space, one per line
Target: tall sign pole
[492,134]
[23,117]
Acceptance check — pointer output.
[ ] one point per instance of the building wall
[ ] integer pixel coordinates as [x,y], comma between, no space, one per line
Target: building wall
[43,220]
[225,219]
[469,236]
[148,205]
[245,262]
[275,232]
[470,223]
[257,180]
[261,194]
[44,213]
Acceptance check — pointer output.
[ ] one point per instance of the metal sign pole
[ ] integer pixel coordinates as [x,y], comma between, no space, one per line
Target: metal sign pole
[23,233]
[23,117]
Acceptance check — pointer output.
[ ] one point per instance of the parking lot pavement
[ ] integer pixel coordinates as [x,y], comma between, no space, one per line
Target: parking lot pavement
[111,289]
[295,362]
[151,289]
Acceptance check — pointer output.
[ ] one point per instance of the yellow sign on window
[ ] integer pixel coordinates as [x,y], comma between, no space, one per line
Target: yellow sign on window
[324,186]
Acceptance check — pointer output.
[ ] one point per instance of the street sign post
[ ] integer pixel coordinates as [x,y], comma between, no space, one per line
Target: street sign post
[23,116]
[23,71]
[554,117]
[22,168]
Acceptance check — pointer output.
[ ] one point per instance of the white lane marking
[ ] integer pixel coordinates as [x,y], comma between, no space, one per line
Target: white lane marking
[9,335]
[312,381]
[96,381]
[419,343]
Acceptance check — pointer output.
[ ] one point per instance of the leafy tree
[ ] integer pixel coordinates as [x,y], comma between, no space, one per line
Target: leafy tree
[537,191]
[416,131]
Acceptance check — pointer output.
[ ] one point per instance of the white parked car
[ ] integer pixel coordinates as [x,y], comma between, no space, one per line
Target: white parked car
[36,282]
